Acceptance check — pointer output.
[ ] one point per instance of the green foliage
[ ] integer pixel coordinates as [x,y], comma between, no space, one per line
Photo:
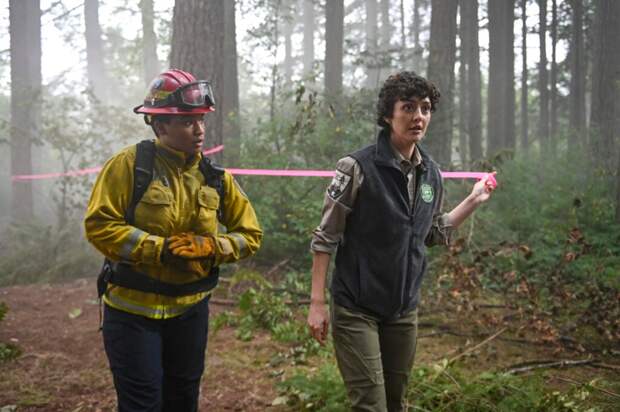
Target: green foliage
[8,351]
[274,309]
[322,391]
[547,242]
[35,252]
[445,388]
[306,133]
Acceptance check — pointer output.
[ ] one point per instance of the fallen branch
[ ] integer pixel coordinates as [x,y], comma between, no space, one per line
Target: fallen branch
[484,342]
[530,366]
[233,302]
[610,393]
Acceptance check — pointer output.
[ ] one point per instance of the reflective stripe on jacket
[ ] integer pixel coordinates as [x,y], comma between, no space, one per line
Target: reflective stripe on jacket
[177,200]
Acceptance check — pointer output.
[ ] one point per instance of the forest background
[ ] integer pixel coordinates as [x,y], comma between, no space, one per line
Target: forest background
[530,89]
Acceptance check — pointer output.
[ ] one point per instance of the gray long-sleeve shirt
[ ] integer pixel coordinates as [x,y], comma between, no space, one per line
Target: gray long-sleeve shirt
[340,199]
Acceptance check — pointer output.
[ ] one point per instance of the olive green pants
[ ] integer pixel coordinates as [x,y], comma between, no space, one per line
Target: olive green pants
[374,357]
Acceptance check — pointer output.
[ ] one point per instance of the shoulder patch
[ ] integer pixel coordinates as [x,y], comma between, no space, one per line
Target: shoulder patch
[338,185]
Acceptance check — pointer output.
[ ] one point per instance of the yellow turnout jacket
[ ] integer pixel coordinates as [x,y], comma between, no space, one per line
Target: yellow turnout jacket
[176,201]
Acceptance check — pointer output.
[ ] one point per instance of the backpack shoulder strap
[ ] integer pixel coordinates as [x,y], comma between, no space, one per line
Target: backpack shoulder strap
[214,177]
[142,175]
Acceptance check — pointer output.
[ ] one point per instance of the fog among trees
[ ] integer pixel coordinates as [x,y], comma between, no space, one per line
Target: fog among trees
[529,89]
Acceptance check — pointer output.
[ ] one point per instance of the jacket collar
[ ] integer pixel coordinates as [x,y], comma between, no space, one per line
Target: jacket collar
[384,152]
[176,158]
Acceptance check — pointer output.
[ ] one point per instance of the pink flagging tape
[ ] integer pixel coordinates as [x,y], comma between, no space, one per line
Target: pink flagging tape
[213,150]
[282,172]
[89,170]
[329,173]
[256,172]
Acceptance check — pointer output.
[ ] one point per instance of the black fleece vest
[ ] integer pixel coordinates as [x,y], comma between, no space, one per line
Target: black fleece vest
[381,259]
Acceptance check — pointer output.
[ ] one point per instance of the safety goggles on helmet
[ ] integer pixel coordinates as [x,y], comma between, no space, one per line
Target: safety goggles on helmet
[189,96]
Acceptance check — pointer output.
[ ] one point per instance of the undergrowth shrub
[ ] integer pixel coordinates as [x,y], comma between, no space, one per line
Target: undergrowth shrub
[36,252]
[8,351]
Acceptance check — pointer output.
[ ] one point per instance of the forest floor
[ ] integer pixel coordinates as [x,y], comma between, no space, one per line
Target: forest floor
[63,366]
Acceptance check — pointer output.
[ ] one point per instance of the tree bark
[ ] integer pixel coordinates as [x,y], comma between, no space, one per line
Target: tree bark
[334,38]
[287,33]
[372,72]
[230,102]
[386,35]
[403,33]
[501,118]
[309,29]
[474,82]
[543,77]
[554,76]
[473,102]
[150,62]
[462,87]
[194,21]
[442,53]
[25,46]
[605,84]
[94,51]
[577,101]
[524,86]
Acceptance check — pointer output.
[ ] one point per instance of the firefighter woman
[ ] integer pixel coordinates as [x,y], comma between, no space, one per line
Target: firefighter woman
[380,212]
[157,213]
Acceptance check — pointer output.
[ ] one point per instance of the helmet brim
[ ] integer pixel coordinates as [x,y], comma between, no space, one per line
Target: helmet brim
[172,110]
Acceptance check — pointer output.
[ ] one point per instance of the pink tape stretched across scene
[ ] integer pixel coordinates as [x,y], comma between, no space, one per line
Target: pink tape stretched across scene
[260,172]
[89,170]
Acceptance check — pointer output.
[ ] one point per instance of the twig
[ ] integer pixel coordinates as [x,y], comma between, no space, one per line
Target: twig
[612,394]
[602,365]
[277,266]
[547,364]
[484,342]
[233,302]
[223,302]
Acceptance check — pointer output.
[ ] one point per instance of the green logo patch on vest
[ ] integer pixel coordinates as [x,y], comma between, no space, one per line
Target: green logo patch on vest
[426,191]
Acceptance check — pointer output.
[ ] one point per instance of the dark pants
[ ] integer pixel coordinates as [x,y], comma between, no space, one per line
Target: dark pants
[374,357]
[156,364]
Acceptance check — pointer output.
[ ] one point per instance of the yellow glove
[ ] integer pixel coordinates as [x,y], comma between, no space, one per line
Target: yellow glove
[190,265]
[190,246]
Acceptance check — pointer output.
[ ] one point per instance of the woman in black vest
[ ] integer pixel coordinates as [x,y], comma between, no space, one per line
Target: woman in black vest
[381,210]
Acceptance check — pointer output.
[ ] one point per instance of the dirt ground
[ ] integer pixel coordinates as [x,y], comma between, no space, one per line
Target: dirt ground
[63,365]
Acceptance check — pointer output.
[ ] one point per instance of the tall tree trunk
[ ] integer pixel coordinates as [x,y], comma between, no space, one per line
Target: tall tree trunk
[150,61]
[501,117]
[192,22]
[618,191]
[554,76]
[473,102]
[372,72]
[403,33]
[230,102]
[25,44]
[462,122]
[386,35]
[287,32]
[605,83]
[577,102]
[441,71]
[309,29]
[94,51]
[334,38]
[524,87]
[417,30]
[543,78]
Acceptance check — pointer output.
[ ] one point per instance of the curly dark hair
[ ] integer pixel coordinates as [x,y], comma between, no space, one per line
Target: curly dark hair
[404,86]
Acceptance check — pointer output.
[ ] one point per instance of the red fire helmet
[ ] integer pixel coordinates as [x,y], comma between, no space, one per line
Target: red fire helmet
[177,92]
